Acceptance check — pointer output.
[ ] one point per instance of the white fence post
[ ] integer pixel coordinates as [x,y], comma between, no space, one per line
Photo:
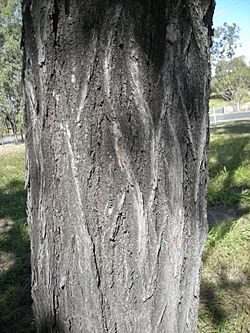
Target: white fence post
[238,107]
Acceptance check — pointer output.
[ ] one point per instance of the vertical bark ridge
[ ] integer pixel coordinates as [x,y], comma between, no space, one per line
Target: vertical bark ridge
[116,121]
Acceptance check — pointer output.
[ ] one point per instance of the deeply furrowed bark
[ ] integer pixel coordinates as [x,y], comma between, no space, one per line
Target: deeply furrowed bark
[116,133]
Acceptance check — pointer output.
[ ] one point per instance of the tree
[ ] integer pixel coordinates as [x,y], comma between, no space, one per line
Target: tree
[11,105]
[116,121]
[225,42]
[232,79]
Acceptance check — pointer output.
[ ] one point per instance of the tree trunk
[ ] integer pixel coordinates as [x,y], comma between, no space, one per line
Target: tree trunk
[116,132]
[13,128]
[22,137]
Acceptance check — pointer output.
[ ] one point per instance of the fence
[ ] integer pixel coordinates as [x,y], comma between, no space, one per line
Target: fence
[11,138]
[229,113]
[229,109]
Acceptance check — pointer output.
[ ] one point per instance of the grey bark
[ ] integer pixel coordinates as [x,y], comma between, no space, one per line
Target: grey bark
[116,133]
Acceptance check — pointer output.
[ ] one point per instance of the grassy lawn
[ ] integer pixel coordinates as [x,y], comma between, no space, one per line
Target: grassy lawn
[229,166]
[218,102]
[225,288]
[15,301]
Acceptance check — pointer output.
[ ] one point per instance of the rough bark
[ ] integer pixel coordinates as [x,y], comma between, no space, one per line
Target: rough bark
[116,133]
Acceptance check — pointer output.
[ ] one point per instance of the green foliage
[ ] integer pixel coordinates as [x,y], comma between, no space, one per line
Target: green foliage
[229,165]
[232,79]
[11,105]
[225,42]
[232,75]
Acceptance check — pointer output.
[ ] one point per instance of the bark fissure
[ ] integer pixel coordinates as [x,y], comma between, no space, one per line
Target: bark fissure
[116,131]
[55,18]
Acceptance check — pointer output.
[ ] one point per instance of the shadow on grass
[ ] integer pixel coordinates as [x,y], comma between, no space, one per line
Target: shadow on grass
[222,229]
[15,299]
[213,303]
[228,160]
[209,299]
[239,127]
[224,298]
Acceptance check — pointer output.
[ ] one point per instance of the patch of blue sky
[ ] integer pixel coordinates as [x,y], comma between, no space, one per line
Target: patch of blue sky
[238,12]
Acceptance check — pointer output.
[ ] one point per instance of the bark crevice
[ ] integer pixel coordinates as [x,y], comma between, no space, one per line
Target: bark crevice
[116,133]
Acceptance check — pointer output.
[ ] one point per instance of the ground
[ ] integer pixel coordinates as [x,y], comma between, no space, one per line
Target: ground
[225,287]
[15,300]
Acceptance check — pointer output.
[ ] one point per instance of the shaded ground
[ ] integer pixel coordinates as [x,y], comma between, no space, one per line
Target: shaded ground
[15,300]
[225,287]
[218,214]
[229,165]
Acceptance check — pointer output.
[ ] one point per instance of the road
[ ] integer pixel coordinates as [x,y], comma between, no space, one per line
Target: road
[229,117]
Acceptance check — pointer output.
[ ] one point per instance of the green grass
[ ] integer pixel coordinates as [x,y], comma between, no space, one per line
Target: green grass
[15,300]
[225,286]
[229,165]
[219,102]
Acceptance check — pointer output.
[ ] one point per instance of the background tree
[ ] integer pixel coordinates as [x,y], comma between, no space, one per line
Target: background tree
[232,79]
[116,120]
[225,42]
[11,105]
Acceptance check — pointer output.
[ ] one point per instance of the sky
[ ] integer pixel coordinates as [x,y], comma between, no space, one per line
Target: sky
[235,11]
